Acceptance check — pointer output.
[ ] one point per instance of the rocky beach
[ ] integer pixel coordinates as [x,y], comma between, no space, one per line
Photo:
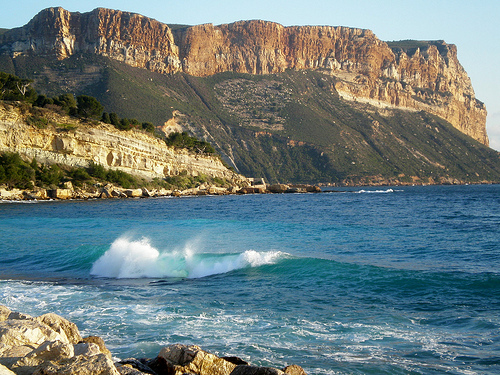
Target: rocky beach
[50,344]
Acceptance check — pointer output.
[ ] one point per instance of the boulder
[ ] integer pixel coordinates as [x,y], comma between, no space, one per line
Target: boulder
[98,364]
[62,326]
[313,189]
[26,332]
[60,193]
[5,371]
[4,313]
[133,193]
[48,352]
[99,342]
[294,370]
[278,188]
[181,359]
[87,349]
[215,190]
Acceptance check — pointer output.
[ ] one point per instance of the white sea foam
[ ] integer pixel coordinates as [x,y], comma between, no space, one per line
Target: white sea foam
[375,191]
[128,258]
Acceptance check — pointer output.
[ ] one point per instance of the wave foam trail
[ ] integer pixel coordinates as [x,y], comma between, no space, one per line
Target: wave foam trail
[139,259]
[375,191]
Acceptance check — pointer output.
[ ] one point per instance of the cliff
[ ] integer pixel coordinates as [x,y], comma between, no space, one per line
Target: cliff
[70,142]
[410,75]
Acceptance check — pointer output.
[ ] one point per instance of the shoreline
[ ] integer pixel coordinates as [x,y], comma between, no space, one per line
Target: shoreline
[50,344]
[114,192]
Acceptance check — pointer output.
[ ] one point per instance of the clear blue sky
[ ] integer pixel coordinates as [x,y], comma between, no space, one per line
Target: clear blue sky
[474,26]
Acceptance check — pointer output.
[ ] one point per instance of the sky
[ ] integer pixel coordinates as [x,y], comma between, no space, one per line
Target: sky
[473,26]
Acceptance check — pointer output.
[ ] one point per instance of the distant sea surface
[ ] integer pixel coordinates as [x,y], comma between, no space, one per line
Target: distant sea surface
[364,281]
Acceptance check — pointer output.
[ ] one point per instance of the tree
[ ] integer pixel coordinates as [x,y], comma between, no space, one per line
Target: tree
[149,127]
[66,102]
[114,119]
[88,107]
[105,118]
[15,88]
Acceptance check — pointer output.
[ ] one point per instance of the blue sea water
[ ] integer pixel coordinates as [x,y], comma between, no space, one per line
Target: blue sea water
[364,281]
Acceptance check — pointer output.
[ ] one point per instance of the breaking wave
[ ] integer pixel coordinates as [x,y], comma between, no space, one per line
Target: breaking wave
[128,259]
[376,191]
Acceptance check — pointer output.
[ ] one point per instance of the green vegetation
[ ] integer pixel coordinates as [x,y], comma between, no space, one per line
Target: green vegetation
[184,140]
[15,172]
[15,88]
[287,127]
[89,107]
[21,174]
[18,173]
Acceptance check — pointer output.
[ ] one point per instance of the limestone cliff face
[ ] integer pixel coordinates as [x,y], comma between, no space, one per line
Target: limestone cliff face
[428,77]
[131,151]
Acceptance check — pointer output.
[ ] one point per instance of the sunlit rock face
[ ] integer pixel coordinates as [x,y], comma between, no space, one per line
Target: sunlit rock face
[409,75]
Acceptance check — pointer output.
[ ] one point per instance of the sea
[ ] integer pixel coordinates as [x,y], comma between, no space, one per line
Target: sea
[386,280]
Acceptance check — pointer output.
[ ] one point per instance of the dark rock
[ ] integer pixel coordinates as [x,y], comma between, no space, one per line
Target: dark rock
[138,365]
[236,360]
[255,370]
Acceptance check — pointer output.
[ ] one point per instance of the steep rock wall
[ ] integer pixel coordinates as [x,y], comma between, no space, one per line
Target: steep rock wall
[427,78]
[130,151]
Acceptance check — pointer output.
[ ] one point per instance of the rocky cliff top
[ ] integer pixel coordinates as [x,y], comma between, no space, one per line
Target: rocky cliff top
[408,74]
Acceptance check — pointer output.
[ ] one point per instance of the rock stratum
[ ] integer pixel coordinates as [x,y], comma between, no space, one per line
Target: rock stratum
[410,75]
[50,344]
[73,143]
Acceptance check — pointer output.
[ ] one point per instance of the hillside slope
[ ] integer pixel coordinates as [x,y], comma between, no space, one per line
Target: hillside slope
[377,118]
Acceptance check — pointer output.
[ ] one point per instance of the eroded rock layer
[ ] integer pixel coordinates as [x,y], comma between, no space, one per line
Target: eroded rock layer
[131,151]
[413,75]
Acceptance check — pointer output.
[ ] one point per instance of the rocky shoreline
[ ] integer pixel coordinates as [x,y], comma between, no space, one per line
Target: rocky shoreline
[114,192]
[49,345]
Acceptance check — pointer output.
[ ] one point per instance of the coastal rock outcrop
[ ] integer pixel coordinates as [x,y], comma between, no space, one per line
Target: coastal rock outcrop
[50,344]
[410,74]
[133,152]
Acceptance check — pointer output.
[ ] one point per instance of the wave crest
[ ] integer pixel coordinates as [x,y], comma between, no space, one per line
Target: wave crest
[139,259]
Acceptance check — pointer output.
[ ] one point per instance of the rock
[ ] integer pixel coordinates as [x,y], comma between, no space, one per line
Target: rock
[278,188]
[215,190]
[236,360]
[49,351]
[11,355]
[181,359]
[60,193]
[99,342]
[14,194]
[133,364]
[370,69]
[80,365]
[255,370]
[294,370]
[129,370]
[26,332]
[146,193]
[18,316]
[133,193]
[4,313]
[62,326]
[313,189]
[87,349]
[5,371]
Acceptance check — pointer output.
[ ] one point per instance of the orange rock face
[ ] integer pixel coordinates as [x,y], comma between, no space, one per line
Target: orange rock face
[427,78]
